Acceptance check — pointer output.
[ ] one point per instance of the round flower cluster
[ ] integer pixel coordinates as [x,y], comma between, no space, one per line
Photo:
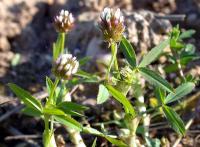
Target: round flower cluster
[64,22]
[65,66]
[112,24]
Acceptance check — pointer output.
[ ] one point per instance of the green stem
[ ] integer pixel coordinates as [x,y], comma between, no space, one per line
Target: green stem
[51,100]
[113,59]
[132,122]
[177,60]
[51,126]
[46,122]
[132,126]
[114,54]
[59,46]
[48,135]
[180,69]
[75,135]
[62,92]
[62,42]
[150,110]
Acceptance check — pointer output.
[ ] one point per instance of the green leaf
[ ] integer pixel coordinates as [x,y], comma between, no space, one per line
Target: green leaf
[72,106]
[53,111]
[31,112]
[128,52]
[155,78]
[122,99]
[49,85]
[114,141]
[88,76]
[175,33]
[84,60]
[160,95]
[93,131]
[69,122]
[26,97]
[176,45]
[187,34]
[103,94]
[94,142]
[58,47]
[71,112]
[154,53]
[174,120]
[180,92]
[171,68]
[187,58]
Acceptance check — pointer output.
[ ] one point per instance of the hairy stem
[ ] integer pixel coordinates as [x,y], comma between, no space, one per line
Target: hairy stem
[48,134]
[132,122]
[145,116]
[132,126]
[177,60]
[75,135]
[180,69]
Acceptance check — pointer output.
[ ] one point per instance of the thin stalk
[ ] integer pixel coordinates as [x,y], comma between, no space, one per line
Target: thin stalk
[114,54]
[48,135]
[180,69]
[62,92]
[46,122]
[177,60]
[150,110]
[142,108]
[145,116]
[113,59]
[75,136]
[61,38]
[59,46]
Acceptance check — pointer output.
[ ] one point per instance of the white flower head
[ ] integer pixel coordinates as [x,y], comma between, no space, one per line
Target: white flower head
[117,14]
[106,14]
[65,66]
[64,21]
[112,24]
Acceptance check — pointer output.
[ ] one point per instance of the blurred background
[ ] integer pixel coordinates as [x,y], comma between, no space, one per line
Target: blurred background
[27,34]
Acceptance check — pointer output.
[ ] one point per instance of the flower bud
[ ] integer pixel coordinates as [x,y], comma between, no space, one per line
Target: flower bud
[112,24]
[64,22]
[65,66]
[126,74]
